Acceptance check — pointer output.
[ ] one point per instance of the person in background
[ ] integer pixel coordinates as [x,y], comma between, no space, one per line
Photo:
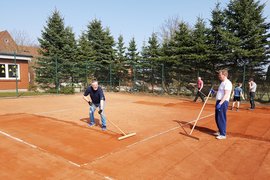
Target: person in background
[237,92]
[199,92]
[252,90]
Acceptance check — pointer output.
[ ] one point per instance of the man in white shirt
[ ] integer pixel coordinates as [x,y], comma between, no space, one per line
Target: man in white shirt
[252,89]
[222,102]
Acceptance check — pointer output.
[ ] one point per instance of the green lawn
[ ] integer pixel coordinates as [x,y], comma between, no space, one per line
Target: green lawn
[13,94]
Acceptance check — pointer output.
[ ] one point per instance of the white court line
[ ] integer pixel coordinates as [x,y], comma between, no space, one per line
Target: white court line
[199,119]
[47,112]
[146,139]
[19,140]
[75,164]
[164,132]
[36,147]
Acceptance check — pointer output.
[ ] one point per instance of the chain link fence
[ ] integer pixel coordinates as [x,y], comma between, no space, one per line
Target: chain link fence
[161,79]
[147,77]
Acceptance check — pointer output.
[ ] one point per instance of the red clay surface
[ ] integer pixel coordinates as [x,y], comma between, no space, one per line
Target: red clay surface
[48,138]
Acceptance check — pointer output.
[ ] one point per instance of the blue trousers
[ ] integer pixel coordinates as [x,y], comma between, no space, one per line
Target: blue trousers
[92,111]
[252,103]
[221,117]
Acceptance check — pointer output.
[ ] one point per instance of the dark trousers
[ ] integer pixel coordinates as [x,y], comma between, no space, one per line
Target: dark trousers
[199,94]
[252,103]
[221,117]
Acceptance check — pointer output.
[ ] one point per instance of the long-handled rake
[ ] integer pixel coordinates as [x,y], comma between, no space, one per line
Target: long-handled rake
[125,135]
[210,92]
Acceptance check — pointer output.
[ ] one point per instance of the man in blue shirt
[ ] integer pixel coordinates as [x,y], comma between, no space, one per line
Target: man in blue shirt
[96,100]
[237,92]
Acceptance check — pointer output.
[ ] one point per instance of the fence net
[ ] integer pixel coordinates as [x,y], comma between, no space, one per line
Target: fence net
[163,79]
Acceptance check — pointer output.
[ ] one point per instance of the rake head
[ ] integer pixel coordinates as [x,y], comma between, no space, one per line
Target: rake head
[126,136]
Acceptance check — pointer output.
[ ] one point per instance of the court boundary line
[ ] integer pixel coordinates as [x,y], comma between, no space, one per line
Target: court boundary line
[38,148]
[51,154]
[141,141]
[101,157]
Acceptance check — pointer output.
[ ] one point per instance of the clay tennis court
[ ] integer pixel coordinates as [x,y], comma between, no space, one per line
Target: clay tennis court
[47,137]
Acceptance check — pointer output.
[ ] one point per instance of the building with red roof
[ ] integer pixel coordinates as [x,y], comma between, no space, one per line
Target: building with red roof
[16,64]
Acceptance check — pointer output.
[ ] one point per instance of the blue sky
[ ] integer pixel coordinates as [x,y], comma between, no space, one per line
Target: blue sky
[131,18]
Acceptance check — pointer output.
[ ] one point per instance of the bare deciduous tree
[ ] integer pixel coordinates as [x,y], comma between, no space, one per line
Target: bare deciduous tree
[22,38]
[168,28]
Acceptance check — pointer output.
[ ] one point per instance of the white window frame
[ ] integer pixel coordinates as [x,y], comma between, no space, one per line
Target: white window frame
[7,74]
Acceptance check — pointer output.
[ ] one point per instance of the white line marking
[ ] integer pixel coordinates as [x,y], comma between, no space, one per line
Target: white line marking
[17,139]
[36,147]
[143,140]
[73,163]
[164,132]
[199,119]
[109,178]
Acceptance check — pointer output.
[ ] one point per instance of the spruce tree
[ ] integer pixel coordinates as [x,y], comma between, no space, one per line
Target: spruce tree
[70,62]
[144,67]
[102,44]
[133,59]
[268,74]
[49,69]
[85,59]
[152,57]
[217,44]
[120,60]
[167,60]
[249,30]
[181,46]
[199,50]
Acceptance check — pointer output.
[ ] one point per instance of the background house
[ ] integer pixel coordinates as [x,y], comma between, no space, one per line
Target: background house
[15,60]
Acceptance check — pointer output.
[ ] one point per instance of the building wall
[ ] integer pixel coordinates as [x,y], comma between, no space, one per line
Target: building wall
[23,82]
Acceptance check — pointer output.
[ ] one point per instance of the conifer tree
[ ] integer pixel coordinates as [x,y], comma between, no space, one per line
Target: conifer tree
[152,57]
[70,69]
[181,54]
[268,75]
[120,60]
[102,44]
[199,50]
[249,32]
[216,40]
[85,59]
[55,45]
[133,59]
[167,60]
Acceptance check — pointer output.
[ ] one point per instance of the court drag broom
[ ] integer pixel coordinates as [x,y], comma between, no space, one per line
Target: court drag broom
[125,135]
[210,92]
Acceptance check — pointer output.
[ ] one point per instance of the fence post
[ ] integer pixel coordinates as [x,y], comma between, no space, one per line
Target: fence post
[162,78]
[110,76]
[86,74]
[134,76]
[244,79]
[56,76]
[16,74]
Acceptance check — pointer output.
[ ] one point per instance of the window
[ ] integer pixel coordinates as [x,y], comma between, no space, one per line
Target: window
[2,71]
[8,71]
[6,41]
[12,70]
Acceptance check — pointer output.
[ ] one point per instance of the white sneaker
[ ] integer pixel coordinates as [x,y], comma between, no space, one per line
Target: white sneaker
[221,137]
[216,134]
